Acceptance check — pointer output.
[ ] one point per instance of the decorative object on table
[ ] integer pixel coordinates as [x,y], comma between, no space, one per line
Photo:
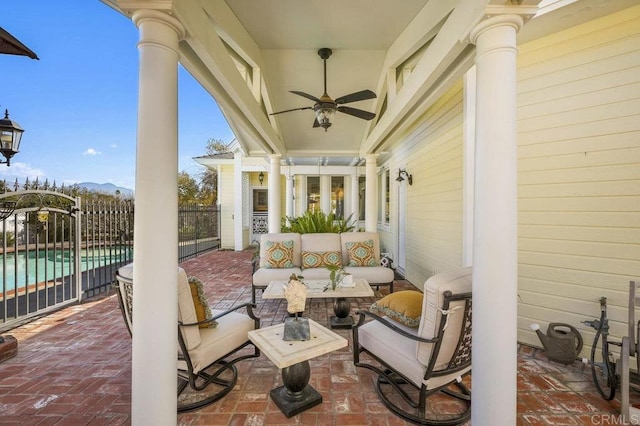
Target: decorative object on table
[296,328]
[339,276]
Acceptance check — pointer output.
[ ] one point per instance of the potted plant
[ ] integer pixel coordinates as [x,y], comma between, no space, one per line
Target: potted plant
[338,275]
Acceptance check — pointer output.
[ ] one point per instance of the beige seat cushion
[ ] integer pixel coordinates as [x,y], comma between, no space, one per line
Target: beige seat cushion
[229,335]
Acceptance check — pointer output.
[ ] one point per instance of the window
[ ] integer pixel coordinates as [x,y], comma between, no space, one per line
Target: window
[260,200]
[313,193]
[362,197]
[383,199]
[386,197]
[337,196]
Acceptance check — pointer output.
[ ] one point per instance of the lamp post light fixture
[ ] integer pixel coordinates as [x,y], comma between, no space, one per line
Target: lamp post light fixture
[261,177]
[10,136]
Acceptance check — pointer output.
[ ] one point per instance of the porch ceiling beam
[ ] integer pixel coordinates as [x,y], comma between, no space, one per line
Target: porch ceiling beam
[441,54]
[207,45]
[233,33]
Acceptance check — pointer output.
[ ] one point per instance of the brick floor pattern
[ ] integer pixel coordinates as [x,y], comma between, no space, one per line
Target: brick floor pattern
[74,368]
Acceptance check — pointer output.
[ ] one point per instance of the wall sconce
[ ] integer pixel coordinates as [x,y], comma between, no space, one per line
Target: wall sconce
[261,177]
[402,174]
[10,136]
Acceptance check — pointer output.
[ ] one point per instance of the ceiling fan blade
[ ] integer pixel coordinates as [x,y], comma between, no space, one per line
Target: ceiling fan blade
[365,115]
[357,96]
[289,110]
[305,95]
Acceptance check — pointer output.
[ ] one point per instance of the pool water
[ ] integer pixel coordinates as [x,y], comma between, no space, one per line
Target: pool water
[53,264]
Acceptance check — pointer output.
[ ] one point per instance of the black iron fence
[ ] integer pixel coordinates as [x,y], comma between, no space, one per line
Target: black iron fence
[198,230]
[55,250]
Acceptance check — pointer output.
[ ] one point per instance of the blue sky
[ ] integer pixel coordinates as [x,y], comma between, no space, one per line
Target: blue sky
[78,103]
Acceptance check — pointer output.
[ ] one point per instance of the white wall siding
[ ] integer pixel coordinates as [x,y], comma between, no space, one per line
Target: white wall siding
[432,153]
[579,173]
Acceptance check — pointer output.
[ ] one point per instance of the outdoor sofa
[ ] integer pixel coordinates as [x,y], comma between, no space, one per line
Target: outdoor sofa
[308,255]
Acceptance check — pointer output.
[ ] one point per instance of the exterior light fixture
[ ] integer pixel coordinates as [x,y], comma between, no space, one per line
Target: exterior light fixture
[324,114]
[10,136]
[402,174]
[261,177]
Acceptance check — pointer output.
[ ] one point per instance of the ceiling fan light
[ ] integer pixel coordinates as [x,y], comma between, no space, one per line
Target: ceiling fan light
[324,116]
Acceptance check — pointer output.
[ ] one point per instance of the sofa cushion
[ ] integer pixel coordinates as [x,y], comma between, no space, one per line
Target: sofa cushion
[200,304]
[263,276]
[187,312]
[312,259]
[347,237]
[279,254]
[404,307]
[269,239]
[361,253]
[373,274]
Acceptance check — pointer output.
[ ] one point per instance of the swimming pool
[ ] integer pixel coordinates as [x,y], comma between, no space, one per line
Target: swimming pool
[54,264]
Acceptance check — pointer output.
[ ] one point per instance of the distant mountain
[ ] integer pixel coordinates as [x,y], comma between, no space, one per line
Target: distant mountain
[108,188]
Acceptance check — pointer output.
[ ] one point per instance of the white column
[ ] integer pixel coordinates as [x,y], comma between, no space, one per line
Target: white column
[495,257]
[371,202]
[275,210]
[238,204]
[155,296]
[325,194]
[288,205]
[355,200]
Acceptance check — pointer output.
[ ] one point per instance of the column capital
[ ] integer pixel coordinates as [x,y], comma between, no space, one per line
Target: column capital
[274,157]
[498,15]
[371,157]
[144,15]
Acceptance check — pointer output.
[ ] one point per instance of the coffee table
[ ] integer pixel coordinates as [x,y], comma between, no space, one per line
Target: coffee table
[317,289]
[293,358]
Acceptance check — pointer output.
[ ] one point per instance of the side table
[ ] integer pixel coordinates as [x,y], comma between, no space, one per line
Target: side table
[296,395]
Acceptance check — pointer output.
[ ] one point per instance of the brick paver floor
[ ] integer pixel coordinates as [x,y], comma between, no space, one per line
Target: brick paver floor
[74,368]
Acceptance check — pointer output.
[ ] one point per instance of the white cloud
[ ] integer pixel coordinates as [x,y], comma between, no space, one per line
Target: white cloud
[113,145]
[91,151]
[20,170]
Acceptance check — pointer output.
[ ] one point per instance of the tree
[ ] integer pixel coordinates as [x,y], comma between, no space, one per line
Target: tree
[188,190]
[209,177]
[217,146]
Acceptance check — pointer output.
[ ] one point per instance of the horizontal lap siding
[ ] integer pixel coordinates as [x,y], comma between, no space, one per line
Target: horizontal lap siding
[432,153]
[579,174]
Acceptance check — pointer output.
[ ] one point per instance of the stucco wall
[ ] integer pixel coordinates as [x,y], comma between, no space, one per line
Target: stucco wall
[579,173]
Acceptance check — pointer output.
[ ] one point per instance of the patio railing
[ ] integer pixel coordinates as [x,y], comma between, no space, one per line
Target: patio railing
[55,251]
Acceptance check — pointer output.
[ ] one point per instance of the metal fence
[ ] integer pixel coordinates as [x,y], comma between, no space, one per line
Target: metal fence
[198,230]
[55,251]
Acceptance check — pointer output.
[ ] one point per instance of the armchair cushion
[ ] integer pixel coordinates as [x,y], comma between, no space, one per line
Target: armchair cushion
[404,307]
[200,304]
[279,254]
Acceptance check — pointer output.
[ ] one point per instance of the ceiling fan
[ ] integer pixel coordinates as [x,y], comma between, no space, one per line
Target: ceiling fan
[325,107]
